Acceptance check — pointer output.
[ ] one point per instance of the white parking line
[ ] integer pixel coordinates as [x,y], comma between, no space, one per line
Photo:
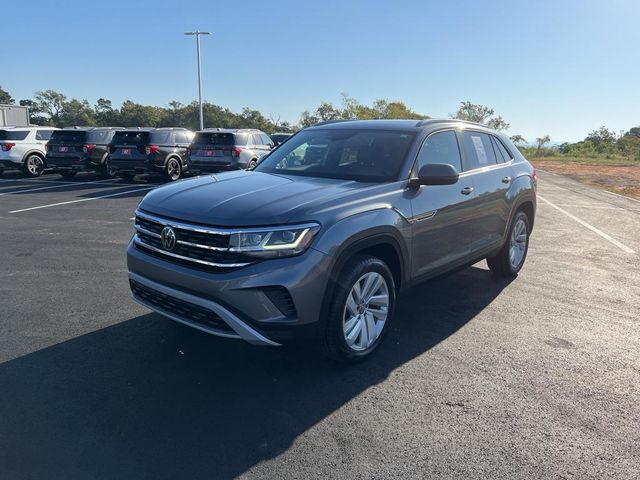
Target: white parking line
[622,196]
[621,246]
[80,200]
[48,187]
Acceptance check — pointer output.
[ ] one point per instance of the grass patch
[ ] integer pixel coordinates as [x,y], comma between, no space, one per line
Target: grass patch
[609,160]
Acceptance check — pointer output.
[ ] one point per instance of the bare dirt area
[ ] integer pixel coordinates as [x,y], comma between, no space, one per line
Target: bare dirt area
[619,179]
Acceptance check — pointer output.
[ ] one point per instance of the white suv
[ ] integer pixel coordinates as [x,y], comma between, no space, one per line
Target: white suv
[23,148]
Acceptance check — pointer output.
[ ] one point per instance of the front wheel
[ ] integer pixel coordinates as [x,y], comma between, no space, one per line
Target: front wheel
[510,259]
[361,308]
[34,165]
[173,170]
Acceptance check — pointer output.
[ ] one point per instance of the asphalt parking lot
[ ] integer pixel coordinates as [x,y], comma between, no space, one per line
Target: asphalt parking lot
[480,378]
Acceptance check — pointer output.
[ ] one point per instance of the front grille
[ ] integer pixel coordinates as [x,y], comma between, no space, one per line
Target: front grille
[198,246]
[180,308]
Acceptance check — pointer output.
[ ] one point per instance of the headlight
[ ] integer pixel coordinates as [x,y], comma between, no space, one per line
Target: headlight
[274,242]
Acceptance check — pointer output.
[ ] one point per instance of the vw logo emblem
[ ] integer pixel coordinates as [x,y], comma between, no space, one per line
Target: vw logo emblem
[168,237]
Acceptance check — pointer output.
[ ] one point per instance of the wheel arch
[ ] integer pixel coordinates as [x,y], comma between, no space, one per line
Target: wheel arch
[34,152]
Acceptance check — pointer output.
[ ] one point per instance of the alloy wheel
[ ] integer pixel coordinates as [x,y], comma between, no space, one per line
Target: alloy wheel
[35,165]
[365,311]
[518,245]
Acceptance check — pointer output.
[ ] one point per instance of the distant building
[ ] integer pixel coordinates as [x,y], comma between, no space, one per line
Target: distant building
[14,115]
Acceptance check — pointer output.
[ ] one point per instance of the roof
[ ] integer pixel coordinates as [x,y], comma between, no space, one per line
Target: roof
[395,124]
[230,130]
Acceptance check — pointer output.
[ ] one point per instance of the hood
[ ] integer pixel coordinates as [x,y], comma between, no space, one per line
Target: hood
[241,198]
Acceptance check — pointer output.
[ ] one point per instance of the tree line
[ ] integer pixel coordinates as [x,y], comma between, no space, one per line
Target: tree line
[48,107]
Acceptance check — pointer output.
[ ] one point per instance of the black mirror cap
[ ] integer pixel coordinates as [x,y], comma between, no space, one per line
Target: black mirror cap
[437,174]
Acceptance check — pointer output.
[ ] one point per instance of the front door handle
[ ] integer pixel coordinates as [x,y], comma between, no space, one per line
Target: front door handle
[506,179]
[466,190]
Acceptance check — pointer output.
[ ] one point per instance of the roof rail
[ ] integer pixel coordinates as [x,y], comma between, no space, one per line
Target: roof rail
[327,122]
[424,122]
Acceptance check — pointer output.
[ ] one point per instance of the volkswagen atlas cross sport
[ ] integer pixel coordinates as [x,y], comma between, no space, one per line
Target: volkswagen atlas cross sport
[318,240]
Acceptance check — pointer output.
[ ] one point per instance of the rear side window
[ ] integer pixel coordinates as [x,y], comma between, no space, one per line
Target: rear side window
[501,151]
[43,134]
[441,148]
[214,138]
[478,150]
[182,137]
[100,136]
[161,138]
[265,139]
[256,140]
[69,136]
[13,134]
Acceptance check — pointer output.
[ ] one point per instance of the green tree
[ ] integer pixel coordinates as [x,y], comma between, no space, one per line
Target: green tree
[77,112]
[104,113]
[541,142]
[51,104]
[473,112]
[5,98]
[602,139]
[517,139]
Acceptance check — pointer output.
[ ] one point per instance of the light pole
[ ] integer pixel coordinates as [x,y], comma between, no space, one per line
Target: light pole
[197,33]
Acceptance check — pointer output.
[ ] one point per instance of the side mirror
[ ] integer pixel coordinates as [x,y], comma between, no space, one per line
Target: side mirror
[436,174]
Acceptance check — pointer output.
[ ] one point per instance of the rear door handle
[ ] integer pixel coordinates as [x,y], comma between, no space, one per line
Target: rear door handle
[466,190]
[506,179]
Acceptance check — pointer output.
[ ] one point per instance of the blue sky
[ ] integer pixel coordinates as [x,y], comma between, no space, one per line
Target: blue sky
[561,67]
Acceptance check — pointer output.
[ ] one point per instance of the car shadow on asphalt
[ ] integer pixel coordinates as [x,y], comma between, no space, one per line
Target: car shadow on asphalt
[150,398]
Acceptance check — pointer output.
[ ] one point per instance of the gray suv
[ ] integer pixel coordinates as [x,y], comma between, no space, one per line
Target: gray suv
[215,149]
[318,240]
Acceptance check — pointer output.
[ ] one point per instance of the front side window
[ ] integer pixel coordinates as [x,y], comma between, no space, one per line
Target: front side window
[43,135]
[478,150]
[440,147]
[354,154]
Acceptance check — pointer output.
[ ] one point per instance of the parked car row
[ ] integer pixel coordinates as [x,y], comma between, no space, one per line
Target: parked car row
[126,152]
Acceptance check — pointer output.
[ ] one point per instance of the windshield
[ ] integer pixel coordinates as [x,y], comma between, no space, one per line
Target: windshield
[353,154]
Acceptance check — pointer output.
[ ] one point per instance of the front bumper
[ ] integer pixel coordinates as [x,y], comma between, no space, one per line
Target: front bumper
[240,297]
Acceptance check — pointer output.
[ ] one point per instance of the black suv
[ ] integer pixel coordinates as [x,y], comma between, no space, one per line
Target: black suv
[76,149]
[153,150]
[215,149]
[319,239]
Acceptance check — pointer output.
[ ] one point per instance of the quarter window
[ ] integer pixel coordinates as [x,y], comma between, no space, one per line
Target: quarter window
[501,150]
[440,148]
[478,150]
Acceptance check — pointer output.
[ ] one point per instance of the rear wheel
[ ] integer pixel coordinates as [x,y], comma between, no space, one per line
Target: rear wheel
[361,308]
[108,170]
[34,165]
[173,170]
[68,173]
[252,164]
[510,259]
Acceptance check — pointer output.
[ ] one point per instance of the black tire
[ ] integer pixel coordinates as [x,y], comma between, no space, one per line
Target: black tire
[333,339]
[107,171]
[126,176]
[252,164]
[68,173]
[501,264]
[173,169]
[34,165]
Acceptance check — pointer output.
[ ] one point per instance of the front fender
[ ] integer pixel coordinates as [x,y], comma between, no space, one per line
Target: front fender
[351,234]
